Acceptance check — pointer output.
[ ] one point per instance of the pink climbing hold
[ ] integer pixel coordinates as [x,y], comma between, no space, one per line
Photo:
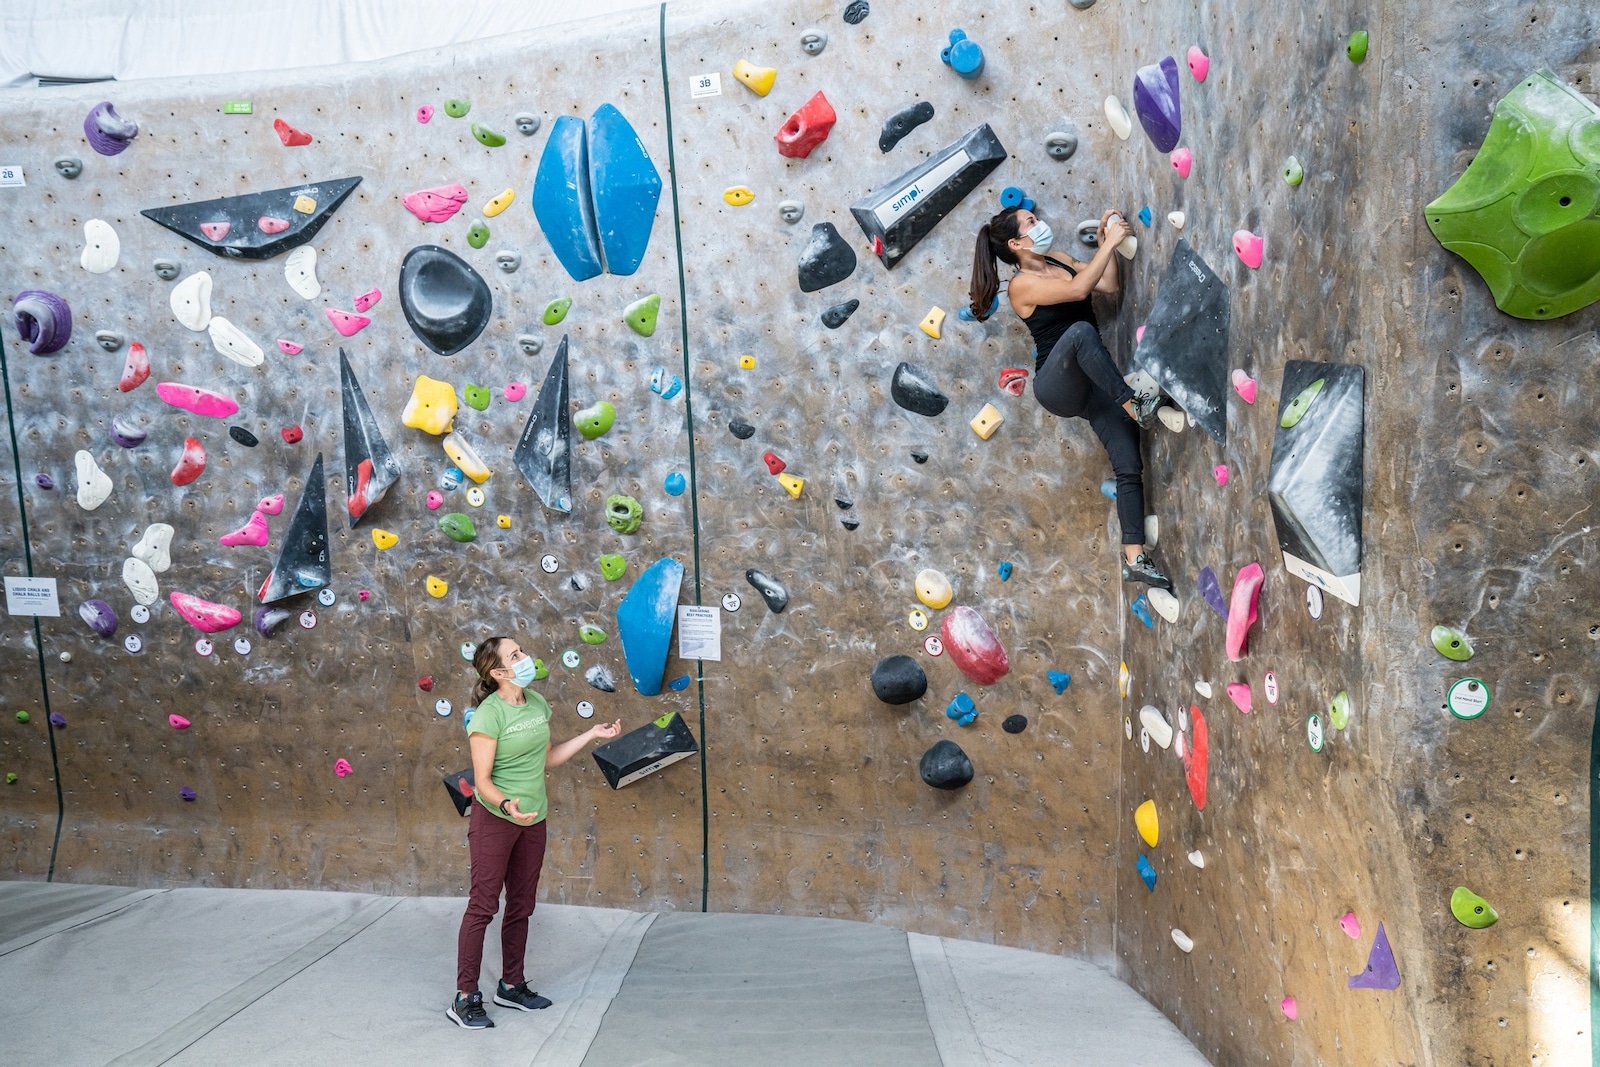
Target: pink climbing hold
[516,391]
[271,224]
[435,500]
[1242,609]
[1244,385]
[347,324]
[136,368]
[271,505]
[437,204]
[253,532]
[342,768]
[178,722]
[1013,380]
[1220,473]
[973,647]
[1249,248]
[1350,925]
[1290,1008]
[1182,161]
[289,348]
[195,399]
[364,595]
[203,614]
[425,114]
[367,300]
[291,137]
[1138,334]
[1239,693]
[191,464]
[1199,63]
[216,230]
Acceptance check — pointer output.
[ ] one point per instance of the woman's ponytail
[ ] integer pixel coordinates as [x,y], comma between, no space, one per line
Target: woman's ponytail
[486,659]
[994,242]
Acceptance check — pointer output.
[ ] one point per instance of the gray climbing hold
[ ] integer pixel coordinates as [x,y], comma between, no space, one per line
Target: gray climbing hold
[898,680]
[914,391]
[856,12]
[69,167]
[1089,232]
[836,316]
[601,678]
[1081,5]
[813,41]
[791,211]
[110,340]
[903,122]
[945,766]
[827,260]
[771,590]
[526,122]
[530,345]
[1061,144]
[508,260]
[742,430]
[167,269]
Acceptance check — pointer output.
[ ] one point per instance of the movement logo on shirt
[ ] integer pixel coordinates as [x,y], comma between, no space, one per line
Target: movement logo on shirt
[525,724]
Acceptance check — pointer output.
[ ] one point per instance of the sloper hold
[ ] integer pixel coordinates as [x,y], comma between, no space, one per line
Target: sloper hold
[445,301]
[303,562]
[1148,823]
[827,260]
[913,390]
[544,453]
[903,122]
[369,467]
[945,766]
[1155,99]
[204,615]
[1381,971]
[771,590]
[1315,484]
[1469,908]
[644,623]
[1242,609]
[973,647]
[898,680]
[563,201]
[1526,212]
[243,239]
[626,187]
[1185,345]
[901,213]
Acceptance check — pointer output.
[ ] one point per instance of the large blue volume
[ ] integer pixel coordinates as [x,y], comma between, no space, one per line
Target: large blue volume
[562,201]
[644,619]
[626,188]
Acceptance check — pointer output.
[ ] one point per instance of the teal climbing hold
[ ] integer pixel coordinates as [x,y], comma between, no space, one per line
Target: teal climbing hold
[679,684]
[1059,680]
[963,55]
[1141,611]
[1451,643]
[1108,489]
[1147,873]
[477,397]
[591,635]
[962,710]
[478,234]
[556,310]
[641,314]
[644,623]
[675,484]
[1004,570]
[1144,215]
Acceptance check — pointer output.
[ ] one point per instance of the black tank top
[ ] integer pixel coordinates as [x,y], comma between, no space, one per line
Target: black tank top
[1050,321]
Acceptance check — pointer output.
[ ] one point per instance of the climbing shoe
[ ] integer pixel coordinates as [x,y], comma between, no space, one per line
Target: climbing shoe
[519,996]
[1143,569]
[1144,410]
[467,1012]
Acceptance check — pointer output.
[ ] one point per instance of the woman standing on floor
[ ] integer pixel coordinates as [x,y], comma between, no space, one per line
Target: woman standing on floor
[510,739]
[1074,375]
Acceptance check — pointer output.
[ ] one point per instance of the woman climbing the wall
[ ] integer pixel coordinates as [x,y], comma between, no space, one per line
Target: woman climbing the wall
[1074,375]
[510,739]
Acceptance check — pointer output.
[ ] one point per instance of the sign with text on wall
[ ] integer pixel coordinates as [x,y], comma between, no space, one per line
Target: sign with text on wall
[32,596]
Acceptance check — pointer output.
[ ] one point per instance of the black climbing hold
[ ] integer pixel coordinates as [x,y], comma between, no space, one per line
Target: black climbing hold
[243,436]
[945,766]
[856,12]
[836,316]
[903,122]
[303,564]
[1315,484]
[771,590]
[742,430]
[913,390]
[446,302]
[850,524]
[904,211]
[1185,346]
[369,467]
[898,680]
[844,502]
[919,455]
[544,454]
[234,219]
[827,260]
[1015,724]
[657,744]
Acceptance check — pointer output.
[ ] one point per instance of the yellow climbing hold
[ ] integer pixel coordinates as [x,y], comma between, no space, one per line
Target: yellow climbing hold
[1144,817]
[758,79]
[738,195]
[464,456]
[987,421]
[304,204]
[499,203]
[437,587]
[933,589]
[432,406]
[1123,678]
[932,322]
[384,539]
[792,484]
[747,362]
[504,522]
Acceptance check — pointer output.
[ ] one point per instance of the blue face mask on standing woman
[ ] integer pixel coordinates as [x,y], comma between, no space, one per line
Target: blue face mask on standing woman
[522,671]
[1041,236]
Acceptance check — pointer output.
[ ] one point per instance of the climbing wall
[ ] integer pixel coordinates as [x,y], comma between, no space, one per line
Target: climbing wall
[806,797]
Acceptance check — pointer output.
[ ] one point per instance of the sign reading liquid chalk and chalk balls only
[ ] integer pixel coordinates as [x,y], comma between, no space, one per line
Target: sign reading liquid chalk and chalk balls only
[646,750]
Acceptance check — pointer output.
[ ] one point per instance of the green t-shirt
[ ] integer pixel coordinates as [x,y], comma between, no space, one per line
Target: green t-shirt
[522,735]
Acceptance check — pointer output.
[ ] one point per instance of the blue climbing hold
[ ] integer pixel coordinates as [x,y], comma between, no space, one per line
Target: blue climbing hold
[1059,680]
[663,388]
[1011,197]
[1147,872]
[466,717]
[1141,610]
[1144,214]
[644,622]
[1028,204]
[1108,489]
[962,710]
[678,685]
[674,485]
[563,202]
[1004,570]
[963,55]
[626,188]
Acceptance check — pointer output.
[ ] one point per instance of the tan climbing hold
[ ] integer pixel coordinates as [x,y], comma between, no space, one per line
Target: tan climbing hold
[934,589]
[432,406]
[499,203]
[933,322]
[791,484]
[305,205]
[758,79]
[987,421]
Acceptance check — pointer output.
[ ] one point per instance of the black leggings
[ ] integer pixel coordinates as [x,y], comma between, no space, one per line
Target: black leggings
[1078,379]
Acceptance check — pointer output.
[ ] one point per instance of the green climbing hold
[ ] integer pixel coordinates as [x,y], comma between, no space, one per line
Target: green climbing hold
[665,720]
[1472,910]
[486,137]
[1339,710]
[1452,644]
[477,397]
[478,234]
[458,527]
[1526,212]
[22,716]
[1298,406]
[613,566]
[556,310]
[11,778]
[592,635]
[457,108]
[1357,48]
[595,420]
[1293,173]
[623,514]
[641,314]
[540,671]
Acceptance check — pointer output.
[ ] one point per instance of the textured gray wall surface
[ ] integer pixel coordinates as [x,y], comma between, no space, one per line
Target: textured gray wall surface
[1478,452]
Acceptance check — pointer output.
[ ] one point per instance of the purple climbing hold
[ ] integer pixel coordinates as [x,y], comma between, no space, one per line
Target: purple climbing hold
[58,720]
[269,619]
[99,616]
[44,481]
[1211,591]
[43,319]
[1381,972]
[1155,98]
[186,793]
[108,132]
[126,432]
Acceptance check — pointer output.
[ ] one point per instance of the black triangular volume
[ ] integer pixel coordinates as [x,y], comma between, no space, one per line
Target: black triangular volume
[898,215]
[369,467]
[233,225]
[303,563]
[544,454]
[1185,346]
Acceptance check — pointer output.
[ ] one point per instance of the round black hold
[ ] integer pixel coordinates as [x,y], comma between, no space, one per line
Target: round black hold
[243,436]
[827,260]
[945,766]
[446,302]
[913,390]
[919,455]
[898,680]
[903,122]
[839,314]
[1015,724]
[742,430]
[856,12]
[771,590]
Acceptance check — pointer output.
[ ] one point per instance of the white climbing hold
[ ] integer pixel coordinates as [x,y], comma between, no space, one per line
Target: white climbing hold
[100,247]
[231,342]
[155,547]
[1182,940]
[1156,725]
[1171,418]
[1177,219]
[191,301]
[1129,247]
[1203,688]
[94,484]
[300,269]
[1117,115]
[1198,859]
[1152,530]
[140,580]
[1166,605]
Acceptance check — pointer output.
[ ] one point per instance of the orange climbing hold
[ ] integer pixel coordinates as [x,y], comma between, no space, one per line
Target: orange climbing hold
[1197,757]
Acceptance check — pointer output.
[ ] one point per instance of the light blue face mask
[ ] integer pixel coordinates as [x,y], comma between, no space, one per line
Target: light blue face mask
[522,671]
[1041,236]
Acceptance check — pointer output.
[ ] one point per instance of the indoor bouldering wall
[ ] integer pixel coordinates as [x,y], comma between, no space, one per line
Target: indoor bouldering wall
[809,463]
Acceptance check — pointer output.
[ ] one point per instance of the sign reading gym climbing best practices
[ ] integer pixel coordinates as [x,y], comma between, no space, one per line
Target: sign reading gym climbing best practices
[32,596]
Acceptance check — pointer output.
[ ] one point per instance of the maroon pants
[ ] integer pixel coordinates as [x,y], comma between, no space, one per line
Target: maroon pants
[503,854]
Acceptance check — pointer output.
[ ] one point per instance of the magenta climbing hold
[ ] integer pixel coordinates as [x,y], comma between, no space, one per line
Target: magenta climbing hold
[1242,609]
[108,132]
[271,224]
[290,348]
[203,614]
[1182,161]
[425,114]
[435,500]
[135,369]
[347,324]
[1239,693]
[342,768]
[216,230]
[291,137]
[254,532]
[1350,924]
[1220,473]
[973,647]
[515,391]
[1244,385]
[806,128]
[1290,1009]
[1249,248]
[436,204]
[178,722]
[271,505]
[191,463]
[195,399]
[1199,63]
[369,299]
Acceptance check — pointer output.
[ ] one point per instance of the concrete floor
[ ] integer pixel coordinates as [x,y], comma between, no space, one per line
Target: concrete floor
[237,976]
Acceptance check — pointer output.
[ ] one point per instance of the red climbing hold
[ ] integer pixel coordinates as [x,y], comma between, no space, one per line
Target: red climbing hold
[464,787]
[192,462]
[1242,609]
[806,128]
[1197,758]
[877,245]
[216,230]
[136,369]
[425,683]
[973,647]
[291,137]
[271,224]
[347,324]
[358,502]
[292,434]
[774,464]
[1013,380]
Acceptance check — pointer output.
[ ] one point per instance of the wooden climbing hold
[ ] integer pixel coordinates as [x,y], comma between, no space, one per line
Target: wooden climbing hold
[987,421]
[932,322]
[291,137]
[758,80]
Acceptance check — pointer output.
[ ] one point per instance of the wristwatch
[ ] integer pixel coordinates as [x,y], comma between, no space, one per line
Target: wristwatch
[503,804]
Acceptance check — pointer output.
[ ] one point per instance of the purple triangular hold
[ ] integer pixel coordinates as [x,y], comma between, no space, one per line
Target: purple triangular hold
[1212,592]
[1155,98]
[1381,972]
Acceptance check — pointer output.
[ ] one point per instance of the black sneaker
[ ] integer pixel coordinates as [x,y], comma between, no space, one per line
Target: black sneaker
[1144,570]
[1144,410]
[519,996]
[467,1012]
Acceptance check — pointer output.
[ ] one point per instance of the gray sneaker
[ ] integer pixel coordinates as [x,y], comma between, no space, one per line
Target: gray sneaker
[467,1012]
[1143,569]
[1144,410]
[519,996]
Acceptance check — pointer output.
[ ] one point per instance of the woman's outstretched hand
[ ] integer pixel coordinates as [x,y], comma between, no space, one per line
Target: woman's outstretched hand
[606,730]
[516,812]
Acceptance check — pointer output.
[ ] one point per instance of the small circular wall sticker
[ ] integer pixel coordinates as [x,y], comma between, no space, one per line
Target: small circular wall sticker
[1468,698]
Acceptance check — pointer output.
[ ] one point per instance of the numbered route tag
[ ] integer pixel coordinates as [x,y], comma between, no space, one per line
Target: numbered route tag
[11,176]
[704,85]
